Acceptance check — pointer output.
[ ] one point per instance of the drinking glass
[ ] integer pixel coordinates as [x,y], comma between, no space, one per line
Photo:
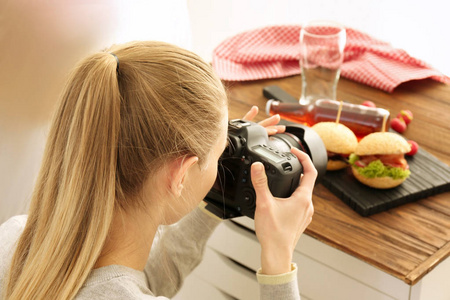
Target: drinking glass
[321,55]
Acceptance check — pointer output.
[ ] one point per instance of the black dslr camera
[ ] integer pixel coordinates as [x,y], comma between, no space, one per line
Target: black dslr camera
[232,194]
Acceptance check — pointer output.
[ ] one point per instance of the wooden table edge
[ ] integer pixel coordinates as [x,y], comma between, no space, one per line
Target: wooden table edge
[428,265]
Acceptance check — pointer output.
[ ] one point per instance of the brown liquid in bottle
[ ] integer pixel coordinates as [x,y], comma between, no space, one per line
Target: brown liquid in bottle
[362,120]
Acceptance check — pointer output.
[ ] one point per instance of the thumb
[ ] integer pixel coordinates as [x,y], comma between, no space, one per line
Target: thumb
[259,181]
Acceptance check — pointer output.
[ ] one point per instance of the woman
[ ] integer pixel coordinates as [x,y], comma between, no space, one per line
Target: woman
[132,151]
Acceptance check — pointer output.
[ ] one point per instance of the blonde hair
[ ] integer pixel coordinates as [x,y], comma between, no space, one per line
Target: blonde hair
[111,131]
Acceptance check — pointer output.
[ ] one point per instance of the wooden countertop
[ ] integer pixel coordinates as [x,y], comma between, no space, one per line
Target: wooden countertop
[408,241]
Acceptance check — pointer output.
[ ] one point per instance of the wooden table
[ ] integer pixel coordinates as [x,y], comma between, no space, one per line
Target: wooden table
[408,241]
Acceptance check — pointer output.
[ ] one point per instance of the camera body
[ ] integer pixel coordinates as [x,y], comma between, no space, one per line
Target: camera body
[233,194]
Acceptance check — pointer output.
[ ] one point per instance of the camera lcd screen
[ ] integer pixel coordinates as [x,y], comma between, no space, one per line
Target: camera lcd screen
[267,153]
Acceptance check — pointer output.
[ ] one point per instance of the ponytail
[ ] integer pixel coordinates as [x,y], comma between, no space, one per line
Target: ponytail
[103,145]
[73,201]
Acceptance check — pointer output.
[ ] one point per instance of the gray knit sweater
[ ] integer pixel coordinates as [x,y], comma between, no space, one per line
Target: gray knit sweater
[176,251]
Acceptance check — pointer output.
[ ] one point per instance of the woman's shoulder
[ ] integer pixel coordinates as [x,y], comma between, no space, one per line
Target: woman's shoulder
[10,232]
[16,222]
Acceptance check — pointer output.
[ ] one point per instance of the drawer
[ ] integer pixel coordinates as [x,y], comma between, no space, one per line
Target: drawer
[228,276]
[319,281]
[238,243]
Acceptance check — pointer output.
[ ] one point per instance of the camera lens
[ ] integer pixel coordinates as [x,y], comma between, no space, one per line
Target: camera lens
[305,139]
[285,141]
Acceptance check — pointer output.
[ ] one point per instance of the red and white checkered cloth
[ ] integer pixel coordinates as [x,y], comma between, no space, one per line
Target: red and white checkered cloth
[273,52]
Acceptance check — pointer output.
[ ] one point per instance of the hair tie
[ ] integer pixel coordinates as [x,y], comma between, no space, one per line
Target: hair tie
[117,59]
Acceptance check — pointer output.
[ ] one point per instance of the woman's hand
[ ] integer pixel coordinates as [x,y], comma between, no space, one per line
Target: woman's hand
[270,123]
[279,222]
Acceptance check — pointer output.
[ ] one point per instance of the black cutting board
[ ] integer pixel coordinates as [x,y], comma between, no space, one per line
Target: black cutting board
[429,176]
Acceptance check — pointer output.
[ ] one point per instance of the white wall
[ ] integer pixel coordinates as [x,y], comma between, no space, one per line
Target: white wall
[40,42]
[420,27]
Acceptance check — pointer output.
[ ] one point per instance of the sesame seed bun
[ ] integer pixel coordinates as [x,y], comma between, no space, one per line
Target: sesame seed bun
[336,137]
[382,143]
[377,182]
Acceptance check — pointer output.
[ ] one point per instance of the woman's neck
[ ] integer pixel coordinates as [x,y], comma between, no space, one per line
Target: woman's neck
[129,241]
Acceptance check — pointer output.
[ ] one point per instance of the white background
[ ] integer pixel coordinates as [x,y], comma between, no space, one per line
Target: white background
[41,40]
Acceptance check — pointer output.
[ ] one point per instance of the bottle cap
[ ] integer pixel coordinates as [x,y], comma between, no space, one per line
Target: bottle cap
[269,104]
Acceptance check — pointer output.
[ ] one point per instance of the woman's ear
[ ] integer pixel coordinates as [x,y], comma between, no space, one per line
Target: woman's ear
[178,171]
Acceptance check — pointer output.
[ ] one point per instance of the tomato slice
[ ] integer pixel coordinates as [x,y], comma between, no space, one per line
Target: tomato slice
[392,160]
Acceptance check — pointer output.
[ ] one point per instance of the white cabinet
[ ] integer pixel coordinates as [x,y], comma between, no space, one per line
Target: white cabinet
[233,256]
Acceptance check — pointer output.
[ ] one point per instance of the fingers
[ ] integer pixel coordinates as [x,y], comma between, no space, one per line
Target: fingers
[309,171]
[273,120]
[251,113]
[270,123]
[271,130]
[259,181]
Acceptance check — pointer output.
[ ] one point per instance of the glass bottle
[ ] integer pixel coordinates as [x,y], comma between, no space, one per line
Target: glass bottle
[361,119]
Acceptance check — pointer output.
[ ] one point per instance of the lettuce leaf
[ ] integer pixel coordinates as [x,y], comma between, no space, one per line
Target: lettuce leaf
[377,169]
[352,158]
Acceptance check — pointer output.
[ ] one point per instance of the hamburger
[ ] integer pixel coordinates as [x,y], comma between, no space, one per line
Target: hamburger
[339,141]
[379,160]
